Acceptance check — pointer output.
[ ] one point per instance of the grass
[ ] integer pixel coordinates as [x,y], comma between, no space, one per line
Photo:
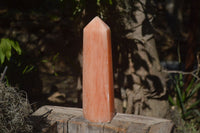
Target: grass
[14,111]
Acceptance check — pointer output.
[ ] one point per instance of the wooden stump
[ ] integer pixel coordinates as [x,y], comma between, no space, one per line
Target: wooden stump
[71,120]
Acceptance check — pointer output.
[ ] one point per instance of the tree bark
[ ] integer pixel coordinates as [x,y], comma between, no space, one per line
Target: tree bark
[137,61]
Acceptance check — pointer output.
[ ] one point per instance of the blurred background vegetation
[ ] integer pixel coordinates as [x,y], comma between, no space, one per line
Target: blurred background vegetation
[41,44]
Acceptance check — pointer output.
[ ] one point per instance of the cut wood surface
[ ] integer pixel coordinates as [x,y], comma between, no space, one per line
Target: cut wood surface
[71,120]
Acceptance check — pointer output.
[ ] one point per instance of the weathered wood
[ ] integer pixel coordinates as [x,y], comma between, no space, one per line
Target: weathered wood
[142,124]
[71,120]
[51,129]
[60,115]
[81,125]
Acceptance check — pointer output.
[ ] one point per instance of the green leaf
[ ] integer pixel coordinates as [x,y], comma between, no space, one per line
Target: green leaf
[55,57]
[181,80]
[2,56]
[189,86]
[56,74]
[27,69]
[110,2]
[194,105]
[189,89]
[98,2]
[188,113]
[44,61]
[5,47]
[180,97]
[179,93]
[16,47]
[183,96]
[171,101]
[196,88]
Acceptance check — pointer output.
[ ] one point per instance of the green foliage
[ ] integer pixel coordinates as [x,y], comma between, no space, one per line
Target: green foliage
[53,62]
[28,69]
[17,65]
[6,46]
[80,5]
[184,98]
[99,2]
[189,127]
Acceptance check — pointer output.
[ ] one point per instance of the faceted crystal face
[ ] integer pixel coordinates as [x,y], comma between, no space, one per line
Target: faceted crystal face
[98,97]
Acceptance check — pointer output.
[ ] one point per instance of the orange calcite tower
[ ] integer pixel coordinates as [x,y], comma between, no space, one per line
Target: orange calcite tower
[98,93]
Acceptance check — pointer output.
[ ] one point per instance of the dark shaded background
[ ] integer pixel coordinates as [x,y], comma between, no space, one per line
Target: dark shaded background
[50,35]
